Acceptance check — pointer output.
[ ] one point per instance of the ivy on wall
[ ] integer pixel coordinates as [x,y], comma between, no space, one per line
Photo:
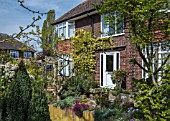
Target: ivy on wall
[84,46]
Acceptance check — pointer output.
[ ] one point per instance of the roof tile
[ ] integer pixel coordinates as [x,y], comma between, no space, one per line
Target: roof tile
[85,7]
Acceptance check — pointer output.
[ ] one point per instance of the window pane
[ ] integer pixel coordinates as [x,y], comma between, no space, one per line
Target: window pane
[120,28]
[14,53]
[109,63]
[105,28]
[71,30]
[70,67]
[27,54]
[115,27]
[60,25]
[64,31]
[64,24]
[101,70]
[117,61]
[60,32]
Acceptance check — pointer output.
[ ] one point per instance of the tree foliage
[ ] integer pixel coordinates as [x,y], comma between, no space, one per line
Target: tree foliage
[7,73]
[38,107]
[154,102]
[147,26]
[48,32]
[23,99]
[84,46]
[146,23]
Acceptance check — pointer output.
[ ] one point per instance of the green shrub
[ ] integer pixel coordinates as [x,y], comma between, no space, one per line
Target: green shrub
[103,114]
[67,102]
[38,107]
[76,86]
[5,57]
[19,95]
[24,100]
[154,102]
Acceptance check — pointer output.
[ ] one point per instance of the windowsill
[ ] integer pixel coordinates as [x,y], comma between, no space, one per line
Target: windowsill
[66,38]
[115,35]
[111,87]
[27,57]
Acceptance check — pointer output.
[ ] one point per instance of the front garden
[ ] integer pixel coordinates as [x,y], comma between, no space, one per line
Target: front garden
[28,90]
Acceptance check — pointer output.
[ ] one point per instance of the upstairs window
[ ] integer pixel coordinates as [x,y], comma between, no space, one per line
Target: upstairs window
[65,30]
[62,29]
[27,54]
[71,28]
[115,27]
[14,53]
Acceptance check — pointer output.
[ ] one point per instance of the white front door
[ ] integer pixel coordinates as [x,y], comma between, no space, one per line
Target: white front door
[109,62]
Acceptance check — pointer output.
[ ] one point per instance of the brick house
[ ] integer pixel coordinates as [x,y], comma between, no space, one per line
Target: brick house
[16,48]
[84,16]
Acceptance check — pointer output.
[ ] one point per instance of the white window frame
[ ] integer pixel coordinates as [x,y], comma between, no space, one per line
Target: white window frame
[27,54]
[65,25]
[115,34]
[67,70]
[14,54]
[161,56]
[114,53]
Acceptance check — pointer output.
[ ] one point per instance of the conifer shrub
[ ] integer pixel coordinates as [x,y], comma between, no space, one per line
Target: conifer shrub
[19,95]
[38,107]
[25,99]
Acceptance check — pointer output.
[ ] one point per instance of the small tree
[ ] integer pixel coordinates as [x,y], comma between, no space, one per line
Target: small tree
[48,33]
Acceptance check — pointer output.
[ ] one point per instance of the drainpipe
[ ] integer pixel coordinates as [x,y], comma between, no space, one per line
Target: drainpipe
[92,24]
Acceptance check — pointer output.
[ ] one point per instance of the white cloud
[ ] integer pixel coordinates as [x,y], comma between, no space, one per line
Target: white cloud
[42,4]
[13,16]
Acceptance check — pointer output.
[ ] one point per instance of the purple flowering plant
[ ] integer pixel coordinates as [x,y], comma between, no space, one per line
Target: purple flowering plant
[78,108]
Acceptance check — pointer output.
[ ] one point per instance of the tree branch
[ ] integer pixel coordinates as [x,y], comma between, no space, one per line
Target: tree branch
[159,69]
[33,11]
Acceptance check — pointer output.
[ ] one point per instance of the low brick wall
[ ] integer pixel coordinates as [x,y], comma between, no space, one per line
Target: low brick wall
[57,114]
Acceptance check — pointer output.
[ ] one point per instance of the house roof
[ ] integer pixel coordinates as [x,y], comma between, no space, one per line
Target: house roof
[11,44]
[83,8]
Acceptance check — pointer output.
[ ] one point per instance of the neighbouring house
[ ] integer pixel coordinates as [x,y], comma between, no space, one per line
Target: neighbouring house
[84,16]
[16,48]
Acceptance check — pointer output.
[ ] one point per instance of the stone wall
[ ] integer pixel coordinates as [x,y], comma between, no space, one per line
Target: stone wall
[57,114]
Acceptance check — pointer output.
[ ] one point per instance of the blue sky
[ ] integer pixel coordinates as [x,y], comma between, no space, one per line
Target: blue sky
[13,16]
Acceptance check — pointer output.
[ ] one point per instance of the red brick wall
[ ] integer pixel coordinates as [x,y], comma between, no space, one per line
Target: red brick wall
[86,24]
[126,55]
[64,47]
